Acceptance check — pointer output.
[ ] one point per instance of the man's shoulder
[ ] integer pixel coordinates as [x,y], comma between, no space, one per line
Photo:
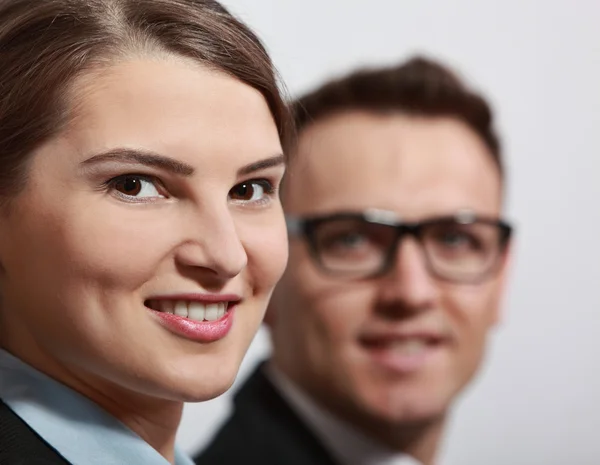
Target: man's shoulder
[263,428]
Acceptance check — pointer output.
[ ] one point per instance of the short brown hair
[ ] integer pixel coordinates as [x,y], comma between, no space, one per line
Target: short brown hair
[46,44]
[420,86]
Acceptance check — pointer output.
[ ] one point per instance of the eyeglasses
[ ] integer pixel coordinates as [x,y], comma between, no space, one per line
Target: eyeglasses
[463,248]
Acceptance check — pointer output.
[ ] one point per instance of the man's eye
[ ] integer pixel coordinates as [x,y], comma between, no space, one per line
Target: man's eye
[350,240]
[345,241]
[454,239]
[457,240]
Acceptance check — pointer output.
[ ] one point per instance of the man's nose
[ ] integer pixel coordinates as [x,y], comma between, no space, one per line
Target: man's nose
[408,282]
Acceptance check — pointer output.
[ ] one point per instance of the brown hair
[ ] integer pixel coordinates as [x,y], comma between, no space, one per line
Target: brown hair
[46,44]
[419,86]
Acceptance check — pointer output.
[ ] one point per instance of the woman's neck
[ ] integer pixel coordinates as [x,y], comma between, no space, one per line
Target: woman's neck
[156,421]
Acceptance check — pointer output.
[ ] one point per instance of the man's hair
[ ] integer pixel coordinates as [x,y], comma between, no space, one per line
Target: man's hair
[419,87]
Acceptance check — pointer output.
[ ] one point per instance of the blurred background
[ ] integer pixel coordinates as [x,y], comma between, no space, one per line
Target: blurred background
[537,401]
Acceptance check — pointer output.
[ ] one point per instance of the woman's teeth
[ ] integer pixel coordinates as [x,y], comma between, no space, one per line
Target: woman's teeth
[197,311]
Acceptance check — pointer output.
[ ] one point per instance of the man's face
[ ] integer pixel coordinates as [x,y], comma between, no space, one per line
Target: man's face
[396,348]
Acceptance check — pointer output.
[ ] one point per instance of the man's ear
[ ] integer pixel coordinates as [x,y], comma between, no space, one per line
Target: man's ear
[503,278]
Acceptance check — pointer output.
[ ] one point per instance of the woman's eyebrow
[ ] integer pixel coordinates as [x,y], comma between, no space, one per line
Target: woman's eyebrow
[261,165]
[156,160]
[142,157]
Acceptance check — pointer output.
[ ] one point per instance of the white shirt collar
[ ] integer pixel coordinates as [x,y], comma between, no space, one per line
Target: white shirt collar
[346,444]
[77,428]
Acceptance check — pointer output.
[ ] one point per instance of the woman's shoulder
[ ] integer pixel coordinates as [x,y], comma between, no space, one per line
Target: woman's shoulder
[20,445]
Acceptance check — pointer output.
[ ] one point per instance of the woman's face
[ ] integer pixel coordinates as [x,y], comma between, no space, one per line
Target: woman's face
[154,211]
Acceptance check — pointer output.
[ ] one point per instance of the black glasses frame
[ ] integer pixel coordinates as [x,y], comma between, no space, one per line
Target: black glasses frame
[306,227]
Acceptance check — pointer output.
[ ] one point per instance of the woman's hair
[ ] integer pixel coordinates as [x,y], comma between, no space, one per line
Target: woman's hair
[46,44]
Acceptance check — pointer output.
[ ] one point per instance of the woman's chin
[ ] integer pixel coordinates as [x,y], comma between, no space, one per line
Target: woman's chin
[201,393]
[198,388]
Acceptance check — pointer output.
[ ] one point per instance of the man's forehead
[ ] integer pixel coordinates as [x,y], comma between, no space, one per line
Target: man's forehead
[360,160]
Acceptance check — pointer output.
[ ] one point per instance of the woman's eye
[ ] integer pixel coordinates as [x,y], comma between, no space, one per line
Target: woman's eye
[251,191]
[136,186]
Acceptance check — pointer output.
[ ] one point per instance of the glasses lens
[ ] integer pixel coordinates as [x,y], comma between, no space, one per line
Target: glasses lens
[352,246]
[462,251]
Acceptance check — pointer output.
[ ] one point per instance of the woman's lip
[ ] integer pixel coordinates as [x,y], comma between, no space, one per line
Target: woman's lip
[198,331]
[202,298]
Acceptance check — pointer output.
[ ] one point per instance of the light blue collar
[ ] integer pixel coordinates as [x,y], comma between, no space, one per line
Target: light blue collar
[82,432]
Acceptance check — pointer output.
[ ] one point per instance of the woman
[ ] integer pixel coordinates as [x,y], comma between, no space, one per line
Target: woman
[141,235]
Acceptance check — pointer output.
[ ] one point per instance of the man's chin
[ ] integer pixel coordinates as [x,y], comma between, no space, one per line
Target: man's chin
[409,408]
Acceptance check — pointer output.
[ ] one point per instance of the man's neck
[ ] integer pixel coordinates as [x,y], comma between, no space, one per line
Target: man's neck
[420,440]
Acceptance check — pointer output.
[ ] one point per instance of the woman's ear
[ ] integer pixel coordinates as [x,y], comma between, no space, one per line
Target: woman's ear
[270,315]
[11,208]
[4,216]
[6,210]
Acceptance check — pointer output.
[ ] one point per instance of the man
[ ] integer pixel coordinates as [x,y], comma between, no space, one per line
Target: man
[397,264]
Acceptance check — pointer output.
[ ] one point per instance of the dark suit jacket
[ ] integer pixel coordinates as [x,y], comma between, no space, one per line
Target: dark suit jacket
[263,430]
[20,445]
